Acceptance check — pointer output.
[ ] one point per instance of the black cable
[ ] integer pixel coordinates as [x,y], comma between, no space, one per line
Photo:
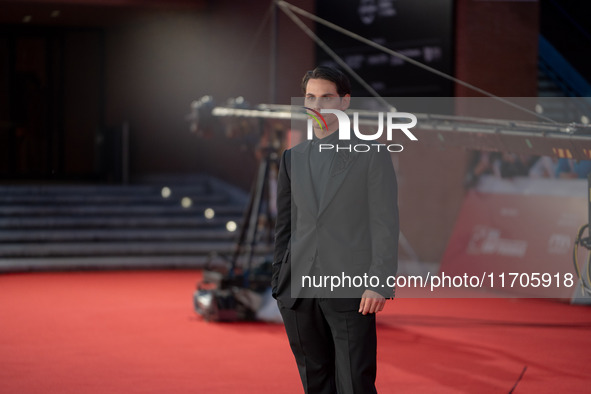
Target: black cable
[518,379]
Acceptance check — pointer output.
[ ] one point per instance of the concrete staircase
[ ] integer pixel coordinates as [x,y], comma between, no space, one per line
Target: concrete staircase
[117,227]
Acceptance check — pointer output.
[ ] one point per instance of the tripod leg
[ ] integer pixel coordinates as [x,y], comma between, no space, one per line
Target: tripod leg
[244,227]
[251,240]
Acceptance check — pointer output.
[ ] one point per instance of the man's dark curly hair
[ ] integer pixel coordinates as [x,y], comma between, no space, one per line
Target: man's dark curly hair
[330,74]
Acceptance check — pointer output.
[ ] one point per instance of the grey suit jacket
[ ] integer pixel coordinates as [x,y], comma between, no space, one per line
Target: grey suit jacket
[351,232]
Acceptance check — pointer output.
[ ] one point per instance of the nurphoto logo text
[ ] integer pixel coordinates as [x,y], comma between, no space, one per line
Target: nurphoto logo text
[345,129]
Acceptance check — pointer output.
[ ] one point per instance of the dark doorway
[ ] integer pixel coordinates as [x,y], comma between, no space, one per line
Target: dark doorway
[51,102]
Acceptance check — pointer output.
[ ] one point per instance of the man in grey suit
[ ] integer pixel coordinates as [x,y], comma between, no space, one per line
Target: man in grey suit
[337,219]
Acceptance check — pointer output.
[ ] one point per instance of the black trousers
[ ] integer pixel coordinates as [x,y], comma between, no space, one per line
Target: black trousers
[335,351]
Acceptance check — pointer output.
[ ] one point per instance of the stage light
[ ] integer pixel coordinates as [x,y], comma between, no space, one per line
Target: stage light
[186,202]
[209,213]
[166,192]
[231,226]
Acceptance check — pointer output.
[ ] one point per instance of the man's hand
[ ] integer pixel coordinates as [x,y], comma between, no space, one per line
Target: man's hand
[371,302]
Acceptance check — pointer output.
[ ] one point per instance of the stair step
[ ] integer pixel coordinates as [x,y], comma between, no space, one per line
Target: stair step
[101,190]
[114,262]
[149,248]
[102,235]
[111,222]
[117,210]
[60,199]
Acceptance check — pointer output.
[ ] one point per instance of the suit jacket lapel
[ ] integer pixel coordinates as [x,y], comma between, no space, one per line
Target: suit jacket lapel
[341,164]
[302,176]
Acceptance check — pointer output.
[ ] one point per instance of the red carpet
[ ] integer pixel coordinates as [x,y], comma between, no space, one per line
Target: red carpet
[136,332]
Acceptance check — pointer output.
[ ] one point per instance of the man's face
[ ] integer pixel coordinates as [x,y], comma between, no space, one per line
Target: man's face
[322,94]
